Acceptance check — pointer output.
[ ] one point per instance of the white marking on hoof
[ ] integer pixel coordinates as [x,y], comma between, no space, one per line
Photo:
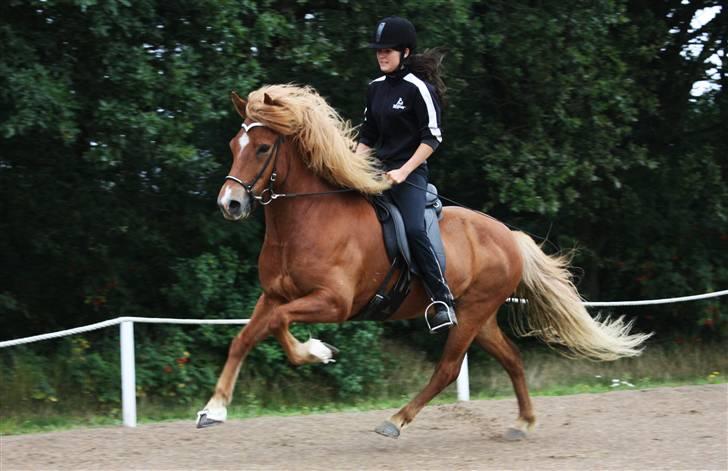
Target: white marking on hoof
[319,350]
[203,421]
[214,411]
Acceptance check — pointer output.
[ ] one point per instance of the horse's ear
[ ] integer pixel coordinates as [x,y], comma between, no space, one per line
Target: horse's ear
[268,100]
[239,104]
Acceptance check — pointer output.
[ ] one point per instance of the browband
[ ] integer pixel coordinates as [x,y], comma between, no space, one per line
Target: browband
[250,126]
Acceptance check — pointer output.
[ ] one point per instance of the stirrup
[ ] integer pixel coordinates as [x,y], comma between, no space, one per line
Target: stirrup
[450,317]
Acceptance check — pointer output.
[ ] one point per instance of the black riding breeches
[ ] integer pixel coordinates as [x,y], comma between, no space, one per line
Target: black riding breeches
[410,201]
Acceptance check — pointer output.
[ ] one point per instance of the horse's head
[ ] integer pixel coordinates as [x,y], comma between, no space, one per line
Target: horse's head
[255,150]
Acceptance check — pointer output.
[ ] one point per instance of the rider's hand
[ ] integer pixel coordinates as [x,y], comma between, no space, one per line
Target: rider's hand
[397,176]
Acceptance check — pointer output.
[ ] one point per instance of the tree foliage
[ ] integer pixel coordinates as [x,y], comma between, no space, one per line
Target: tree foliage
[574,119]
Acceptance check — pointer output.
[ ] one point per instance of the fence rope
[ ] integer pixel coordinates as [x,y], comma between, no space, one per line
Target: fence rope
[645,302]
[118,320]
[167,320]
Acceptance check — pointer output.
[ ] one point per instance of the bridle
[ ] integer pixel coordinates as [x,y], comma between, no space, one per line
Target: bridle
[268,195]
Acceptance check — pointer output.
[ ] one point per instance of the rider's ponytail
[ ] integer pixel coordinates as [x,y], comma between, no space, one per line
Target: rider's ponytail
[427,66]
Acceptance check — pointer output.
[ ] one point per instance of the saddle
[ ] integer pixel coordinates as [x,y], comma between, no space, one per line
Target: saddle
[388,299]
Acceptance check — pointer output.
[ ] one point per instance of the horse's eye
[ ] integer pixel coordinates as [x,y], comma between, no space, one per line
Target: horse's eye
[263,149]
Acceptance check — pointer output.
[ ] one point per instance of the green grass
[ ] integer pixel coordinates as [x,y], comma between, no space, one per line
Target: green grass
[547,373]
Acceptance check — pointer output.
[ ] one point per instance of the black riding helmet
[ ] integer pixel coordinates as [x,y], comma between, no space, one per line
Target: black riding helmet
[394,32]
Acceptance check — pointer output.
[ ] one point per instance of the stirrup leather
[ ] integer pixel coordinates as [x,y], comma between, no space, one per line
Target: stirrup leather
[450,316]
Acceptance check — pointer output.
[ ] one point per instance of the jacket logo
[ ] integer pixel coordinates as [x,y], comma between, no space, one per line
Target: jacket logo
[399,105]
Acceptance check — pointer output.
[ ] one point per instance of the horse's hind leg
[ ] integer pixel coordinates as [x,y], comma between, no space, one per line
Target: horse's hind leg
[458,341]
[493,341]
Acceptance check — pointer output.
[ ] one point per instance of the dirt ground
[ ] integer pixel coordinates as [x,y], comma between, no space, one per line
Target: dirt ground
[666,428]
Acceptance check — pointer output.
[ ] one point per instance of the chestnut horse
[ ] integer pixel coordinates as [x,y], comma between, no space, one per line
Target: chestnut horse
[323,257]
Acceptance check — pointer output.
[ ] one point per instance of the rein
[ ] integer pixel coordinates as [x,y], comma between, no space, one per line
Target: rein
[464,206]
[268,195]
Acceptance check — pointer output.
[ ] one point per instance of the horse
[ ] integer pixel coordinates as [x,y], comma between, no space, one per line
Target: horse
[323,257]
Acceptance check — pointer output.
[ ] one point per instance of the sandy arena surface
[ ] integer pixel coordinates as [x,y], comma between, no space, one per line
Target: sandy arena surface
[666,428]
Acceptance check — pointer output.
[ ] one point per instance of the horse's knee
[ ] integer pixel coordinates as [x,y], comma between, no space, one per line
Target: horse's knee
[277,323]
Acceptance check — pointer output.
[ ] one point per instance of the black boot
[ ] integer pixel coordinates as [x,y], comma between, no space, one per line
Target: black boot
[443,317]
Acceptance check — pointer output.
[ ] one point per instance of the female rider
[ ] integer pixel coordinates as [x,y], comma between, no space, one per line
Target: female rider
[402,124]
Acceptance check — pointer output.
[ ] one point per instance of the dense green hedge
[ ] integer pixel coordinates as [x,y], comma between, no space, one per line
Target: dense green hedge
[568,119]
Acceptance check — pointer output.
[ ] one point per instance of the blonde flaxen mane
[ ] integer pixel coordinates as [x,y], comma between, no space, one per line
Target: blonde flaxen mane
[326,141]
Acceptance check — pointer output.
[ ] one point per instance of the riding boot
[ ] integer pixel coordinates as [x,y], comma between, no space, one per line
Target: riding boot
[410,199]
[443,318]
[440,313]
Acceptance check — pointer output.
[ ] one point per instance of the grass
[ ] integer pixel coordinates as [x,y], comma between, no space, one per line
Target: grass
[659,365]
[547,374]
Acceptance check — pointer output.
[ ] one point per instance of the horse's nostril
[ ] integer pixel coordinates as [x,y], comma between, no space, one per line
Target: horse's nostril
[234,207]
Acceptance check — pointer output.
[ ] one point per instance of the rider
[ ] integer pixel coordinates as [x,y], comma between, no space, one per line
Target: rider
[402,122]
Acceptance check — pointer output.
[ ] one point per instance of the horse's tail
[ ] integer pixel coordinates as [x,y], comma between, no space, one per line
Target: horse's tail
[555,313]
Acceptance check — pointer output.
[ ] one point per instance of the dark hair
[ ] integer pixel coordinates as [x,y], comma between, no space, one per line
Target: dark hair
[427,66]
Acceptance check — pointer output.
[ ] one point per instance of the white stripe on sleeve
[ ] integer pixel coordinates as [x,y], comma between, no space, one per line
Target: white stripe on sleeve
[431,113]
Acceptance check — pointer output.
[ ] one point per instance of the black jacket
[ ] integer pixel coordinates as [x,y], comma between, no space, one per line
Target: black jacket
[402,112]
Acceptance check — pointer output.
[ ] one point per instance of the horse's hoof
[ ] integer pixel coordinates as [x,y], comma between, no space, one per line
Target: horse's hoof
[513,434]
[320,352]
[203,421]
[334,350]
[388,429]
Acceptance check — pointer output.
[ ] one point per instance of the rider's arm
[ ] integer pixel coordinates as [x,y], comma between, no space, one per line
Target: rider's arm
[369,132]
[421,154]
[427,113]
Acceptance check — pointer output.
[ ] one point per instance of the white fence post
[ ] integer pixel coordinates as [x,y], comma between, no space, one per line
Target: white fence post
[128,374]
[463,383]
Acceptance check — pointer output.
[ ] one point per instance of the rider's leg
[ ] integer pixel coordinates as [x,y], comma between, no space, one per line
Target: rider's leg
[411,203]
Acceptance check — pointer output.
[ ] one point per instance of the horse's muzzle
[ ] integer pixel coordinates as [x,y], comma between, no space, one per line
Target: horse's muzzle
[235,205]
[235,210]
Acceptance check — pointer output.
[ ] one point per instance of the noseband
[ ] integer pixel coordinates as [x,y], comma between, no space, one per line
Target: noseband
[267,195]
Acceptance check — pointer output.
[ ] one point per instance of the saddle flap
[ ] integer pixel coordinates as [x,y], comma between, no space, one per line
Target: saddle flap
[383,208]
[395,238]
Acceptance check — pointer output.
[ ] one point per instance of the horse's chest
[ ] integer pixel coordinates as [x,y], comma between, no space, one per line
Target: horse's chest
[281,273]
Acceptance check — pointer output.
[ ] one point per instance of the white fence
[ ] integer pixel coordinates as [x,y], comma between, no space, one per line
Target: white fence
[128,370]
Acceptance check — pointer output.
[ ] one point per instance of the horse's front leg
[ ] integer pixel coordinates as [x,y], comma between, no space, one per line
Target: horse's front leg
[311,351]
[319,306]
[257,329]
[269,317]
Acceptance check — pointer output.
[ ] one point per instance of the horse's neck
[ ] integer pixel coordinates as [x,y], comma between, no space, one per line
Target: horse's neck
[292,218]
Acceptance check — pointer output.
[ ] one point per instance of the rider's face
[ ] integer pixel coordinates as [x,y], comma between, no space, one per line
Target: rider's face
[389,59]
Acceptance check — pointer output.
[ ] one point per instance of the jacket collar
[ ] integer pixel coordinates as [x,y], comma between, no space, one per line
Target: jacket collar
[398,74]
